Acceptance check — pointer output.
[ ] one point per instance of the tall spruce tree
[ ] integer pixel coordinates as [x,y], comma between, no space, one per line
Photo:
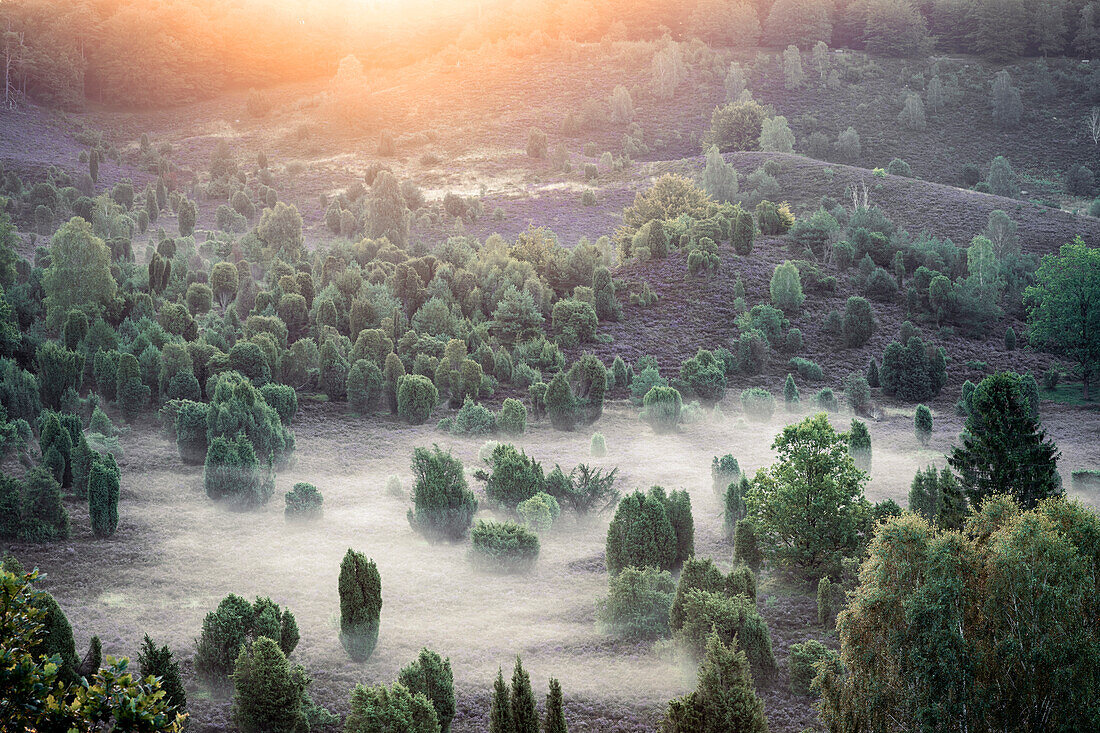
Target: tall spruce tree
[500,712]
[1004,449]
[554,717]
[525,716]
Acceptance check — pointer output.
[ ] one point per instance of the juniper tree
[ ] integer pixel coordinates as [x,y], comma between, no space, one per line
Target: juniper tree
[430,675]
[525,717]
[554,716]
[360,589]
[500,712]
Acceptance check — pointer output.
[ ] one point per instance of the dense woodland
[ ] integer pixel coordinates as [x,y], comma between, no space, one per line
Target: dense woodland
[195,299]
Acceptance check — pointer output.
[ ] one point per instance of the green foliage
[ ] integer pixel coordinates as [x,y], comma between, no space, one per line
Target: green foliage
[79,274]
[661,409]
[553,720]
[830,599]
[269,694]
[515,477]
[744,232]
[59,370]
[503,546]
[443,505]
[382,709]
[525,718]
[233,625]
[723,471]
[730,616]
[757,404]
[33,510]
[1002,179]
[913,372]
[540,511]
[790,393]
[158,662]
[233,474]
[561,403]
[735,126]
[641,534]
[513,417]
[1015,588]
[1064,307]
[803,661]
[598,446]
[859,322]
[417,396]
[808,507]
[585,490]
[703,575]
[922,424]
[725,698]
[103,489]
[733,505]
[719,177]
[637,603]
[360,588]
[191,427]
[304,502]
[430,675]
[1004,450]
[859,444]
[939,498]
[645,380]
[705,375]
[574,321]
[786,288]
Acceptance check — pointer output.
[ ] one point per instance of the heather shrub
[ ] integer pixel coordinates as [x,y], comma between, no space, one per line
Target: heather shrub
[637,603]
[503,546]
[443,505]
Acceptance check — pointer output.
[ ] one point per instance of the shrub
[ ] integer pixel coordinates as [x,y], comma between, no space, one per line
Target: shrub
[380,708]
[574,321]
[561,403]
[33,508]
[773,219]
[160,664]
[723,471]
[282,398]
[776,135]
[473,419]
[859,322]
[859,445]
[661,408]
[922,424]
[417,396]
[913,372]
[232,473]
[735,126]
[803,661]
[881,286]
[59,370]
[304,502]
[678,508]
[503,546]
[364,386]
[724,699]
[1002,179]
[513,417]
[641,534]
[826,400]
[858,393]
[443,505]
[848,147]
[744,232]
[645,380]
[1010,339]
[514,478]
[236,623]
[733,506]
[238,407]
[540,511]
[729,617]
[430,675]
[830,599]
[757,404]
[269,693]
[702,575]
[103,486]
[360,588]
[807,369]
[637,603]
[898,167]
[791,395]
[598,446]
[536,143]
[786,288]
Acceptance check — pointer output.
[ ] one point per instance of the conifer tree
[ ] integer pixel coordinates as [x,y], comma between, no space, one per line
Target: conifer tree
[525,717]
[790,393]
[430,675]
[269,693]
[724,700]
[500,714]
[554,717]
[360,605]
